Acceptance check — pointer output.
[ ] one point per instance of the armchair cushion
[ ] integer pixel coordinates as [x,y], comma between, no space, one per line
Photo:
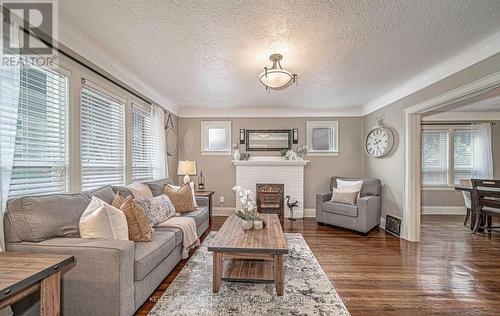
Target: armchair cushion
[340,208]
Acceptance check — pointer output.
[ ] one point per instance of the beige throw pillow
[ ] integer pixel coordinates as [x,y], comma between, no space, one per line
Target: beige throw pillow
[345,197]
[191,184]
[138,226]
[103,221]
[182,198]
[344,185]
[117,200]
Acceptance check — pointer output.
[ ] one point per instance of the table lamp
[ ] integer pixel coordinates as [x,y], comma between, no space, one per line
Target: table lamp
[186,168]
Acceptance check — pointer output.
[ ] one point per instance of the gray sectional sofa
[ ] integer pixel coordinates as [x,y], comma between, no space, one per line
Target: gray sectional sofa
[111,277]
[361,217]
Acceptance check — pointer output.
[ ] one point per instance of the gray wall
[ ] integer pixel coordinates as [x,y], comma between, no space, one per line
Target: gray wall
[220,174]
[391,169]
[454,198]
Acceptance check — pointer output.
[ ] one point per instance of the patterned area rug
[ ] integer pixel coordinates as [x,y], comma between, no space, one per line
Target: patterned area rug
[308,290]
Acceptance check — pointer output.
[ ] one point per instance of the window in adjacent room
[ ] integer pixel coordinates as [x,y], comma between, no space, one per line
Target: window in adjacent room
[449,154]
[216,137]
[322,137]
[39,121]
[142,144]
[102,138]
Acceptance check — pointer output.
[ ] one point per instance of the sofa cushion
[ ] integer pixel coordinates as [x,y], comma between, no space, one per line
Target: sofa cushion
[177,231]
[105,193]
[200,214]
[123,191]
[36,218]
[341,209]
[156,187]
[149,254]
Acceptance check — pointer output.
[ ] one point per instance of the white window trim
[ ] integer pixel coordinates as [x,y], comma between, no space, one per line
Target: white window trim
[451,170]
[311,124]
[207,124]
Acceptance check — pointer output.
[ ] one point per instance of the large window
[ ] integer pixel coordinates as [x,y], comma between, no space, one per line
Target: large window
[448,155]
[40,149]
[102,138]
[142,145]
[216,137]
[322,137]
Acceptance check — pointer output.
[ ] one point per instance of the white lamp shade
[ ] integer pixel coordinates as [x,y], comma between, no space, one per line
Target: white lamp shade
[275,78]
[186,167]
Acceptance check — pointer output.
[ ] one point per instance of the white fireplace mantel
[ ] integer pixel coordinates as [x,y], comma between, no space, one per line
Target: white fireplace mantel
[274,170]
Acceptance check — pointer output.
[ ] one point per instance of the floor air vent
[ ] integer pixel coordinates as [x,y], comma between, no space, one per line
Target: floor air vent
[393,225]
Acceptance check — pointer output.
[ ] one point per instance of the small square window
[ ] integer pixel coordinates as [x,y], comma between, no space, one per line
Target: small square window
[216,137]
[322,138]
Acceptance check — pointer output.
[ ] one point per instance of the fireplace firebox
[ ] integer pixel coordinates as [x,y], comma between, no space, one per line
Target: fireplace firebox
[270,199]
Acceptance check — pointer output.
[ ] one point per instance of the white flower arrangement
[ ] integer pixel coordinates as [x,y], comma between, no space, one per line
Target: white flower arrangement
[248,203]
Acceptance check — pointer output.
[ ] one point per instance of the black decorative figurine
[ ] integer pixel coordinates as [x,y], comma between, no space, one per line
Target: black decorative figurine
[201,182]
[291,206]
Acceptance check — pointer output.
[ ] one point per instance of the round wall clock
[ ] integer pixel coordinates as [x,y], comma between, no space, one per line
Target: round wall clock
[379,141]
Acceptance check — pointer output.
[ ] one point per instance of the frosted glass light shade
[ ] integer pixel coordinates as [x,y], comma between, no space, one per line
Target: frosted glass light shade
[275,78]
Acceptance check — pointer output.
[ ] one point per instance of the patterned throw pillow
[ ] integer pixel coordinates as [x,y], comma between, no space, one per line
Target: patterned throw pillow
[158,209]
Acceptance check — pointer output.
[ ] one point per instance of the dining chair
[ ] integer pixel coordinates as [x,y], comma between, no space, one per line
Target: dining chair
[486,196]
[467,200]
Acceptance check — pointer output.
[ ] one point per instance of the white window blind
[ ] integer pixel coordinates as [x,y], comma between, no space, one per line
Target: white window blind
[40,153]
[435,157]
[142,144]
[102,138]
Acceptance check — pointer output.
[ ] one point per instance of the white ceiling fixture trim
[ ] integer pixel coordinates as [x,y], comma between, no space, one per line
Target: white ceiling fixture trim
[476,53]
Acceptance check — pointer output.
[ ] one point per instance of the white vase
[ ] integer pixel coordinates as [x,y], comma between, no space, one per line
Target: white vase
[236,154]
[247,225]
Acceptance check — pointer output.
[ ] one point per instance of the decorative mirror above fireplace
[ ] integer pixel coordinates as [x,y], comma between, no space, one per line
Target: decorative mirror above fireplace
[268,139]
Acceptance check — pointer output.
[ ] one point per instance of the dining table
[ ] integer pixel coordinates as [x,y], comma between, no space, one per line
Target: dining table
[474,207]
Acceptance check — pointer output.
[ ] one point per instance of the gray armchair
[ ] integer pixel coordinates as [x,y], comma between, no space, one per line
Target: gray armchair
[361,217]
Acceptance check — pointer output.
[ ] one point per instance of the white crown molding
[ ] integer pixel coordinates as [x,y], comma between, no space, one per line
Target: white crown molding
[194,112]
[474,54]
[90,50]
[463,116]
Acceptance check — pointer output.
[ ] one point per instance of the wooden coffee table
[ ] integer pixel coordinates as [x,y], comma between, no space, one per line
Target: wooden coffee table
[249,256]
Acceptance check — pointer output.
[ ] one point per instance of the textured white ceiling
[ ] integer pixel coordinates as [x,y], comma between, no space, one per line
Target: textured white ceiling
[208,54]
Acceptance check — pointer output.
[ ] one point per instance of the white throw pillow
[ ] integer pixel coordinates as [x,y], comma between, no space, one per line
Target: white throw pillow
[191,184]
[103,221]
[140,191]
[344,185]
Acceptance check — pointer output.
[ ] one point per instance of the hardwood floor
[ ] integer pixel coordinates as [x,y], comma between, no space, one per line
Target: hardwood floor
[449,272]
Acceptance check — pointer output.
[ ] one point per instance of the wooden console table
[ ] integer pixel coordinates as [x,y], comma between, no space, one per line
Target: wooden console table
[22,274]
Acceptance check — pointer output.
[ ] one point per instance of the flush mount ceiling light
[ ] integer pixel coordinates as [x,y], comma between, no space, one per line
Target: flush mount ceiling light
[276,77]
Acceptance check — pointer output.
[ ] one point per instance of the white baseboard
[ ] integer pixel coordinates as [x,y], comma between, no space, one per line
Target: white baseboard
[228,210]
[310,212]
[382,223]
[444,210]
[222,211]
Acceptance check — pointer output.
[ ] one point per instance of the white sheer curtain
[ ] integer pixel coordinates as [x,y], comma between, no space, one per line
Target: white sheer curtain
[10,82]
[160,164]
[483,154]
[9,101]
